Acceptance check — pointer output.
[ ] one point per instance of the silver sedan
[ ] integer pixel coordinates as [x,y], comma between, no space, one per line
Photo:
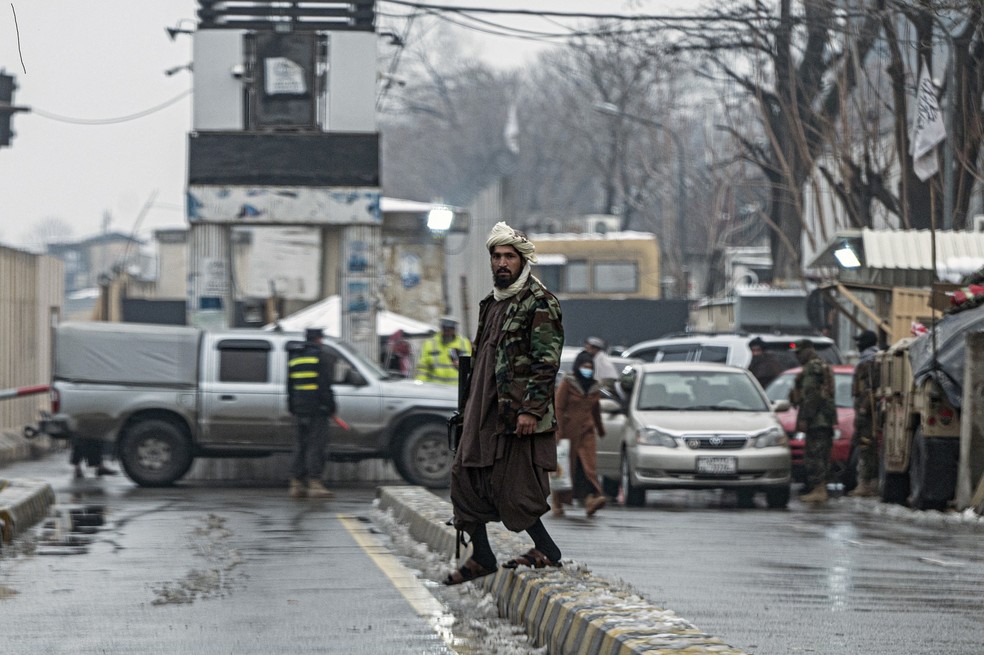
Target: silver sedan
[689,425]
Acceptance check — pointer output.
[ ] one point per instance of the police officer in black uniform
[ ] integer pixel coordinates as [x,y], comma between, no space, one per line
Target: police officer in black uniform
[311,401]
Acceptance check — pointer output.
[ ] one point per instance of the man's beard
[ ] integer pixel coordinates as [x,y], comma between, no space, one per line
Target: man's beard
[503,282]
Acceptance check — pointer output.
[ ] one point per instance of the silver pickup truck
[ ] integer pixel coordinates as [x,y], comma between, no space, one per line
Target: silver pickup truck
[163,395]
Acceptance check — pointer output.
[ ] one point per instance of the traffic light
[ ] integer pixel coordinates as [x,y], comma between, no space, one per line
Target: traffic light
[7,108]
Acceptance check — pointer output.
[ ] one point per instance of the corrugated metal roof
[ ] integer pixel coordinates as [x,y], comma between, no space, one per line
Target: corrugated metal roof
[904,257]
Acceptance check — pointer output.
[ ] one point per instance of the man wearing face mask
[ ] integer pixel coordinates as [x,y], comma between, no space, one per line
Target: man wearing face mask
[579,421]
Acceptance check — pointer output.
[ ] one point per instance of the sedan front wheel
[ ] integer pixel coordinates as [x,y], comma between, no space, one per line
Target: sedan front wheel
[631,496]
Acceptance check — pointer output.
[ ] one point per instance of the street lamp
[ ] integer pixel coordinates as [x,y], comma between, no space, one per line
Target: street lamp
[611,109]
[439,219]
[846,256]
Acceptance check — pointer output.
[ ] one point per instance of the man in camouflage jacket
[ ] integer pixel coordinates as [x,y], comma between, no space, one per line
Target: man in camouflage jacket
[865,381]
[813,395]
[507,449]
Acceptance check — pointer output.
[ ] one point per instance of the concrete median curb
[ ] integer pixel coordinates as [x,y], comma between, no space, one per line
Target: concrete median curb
[22,504]
[570,610]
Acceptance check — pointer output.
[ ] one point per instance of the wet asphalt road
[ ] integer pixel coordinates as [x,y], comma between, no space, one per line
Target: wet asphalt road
[220,568]
[855,577]
[202,569]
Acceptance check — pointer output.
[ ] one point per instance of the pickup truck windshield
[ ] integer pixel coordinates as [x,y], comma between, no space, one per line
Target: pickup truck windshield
[352,353]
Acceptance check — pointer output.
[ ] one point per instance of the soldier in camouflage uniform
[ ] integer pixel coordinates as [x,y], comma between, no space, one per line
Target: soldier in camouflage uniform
[507,450]
[863,386]
[813,395]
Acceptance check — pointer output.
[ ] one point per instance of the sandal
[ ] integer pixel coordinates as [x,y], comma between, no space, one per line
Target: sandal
[469,571]
[533,559]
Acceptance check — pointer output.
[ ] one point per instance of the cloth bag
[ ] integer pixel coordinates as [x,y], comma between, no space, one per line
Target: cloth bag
[560,480]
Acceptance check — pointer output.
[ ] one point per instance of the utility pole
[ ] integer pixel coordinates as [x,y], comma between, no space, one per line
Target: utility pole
[7,108]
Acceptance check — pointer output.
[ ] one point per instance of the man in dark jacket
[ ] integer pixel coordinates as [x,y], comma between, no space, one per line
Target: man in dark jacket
[813,395]
[765,365]
[865,382]
[501,467]
[311,401]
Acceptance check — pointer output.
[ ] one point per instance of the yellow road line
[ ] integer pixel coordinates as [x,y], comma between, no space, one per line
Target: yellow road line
[409,586]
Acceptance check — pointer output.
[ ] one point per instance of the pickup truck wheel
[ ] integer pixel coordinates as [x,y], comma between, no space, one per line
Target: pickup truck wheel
[155,453]
[423,457]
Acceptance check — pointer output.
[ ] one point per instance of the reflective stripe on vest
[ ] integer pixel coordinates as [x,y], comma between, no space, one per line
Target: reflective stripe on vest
[303,368]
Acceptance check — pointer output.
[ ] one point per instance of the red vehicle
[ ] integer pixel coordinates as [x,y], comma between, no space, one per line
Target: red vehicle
[843,465]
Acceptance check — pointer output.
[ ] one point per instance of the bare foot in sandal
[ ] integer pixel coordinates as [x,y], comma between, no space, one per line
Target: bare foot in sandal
[467,572]
[533,559]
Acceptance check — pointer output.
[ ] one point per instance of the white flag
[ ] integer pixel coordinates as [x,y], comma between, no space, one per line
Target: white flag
[928,129]
[511,132]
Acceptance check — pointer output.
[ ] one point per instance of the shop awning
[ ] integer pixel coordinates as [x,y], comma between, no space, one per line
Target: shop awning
[902,258]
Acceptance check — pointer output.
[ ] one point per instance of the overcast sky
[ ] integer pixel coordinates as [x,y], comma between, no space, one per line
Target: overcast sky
[108,129]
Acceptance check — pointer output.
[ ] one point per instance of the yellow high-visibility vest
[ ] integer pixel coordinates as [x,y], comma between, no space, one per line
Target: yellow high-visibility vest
[439,361]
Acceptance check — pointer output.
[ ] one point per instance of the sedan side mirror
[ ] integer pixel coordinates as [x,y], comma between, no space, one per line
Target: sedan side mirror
[780,405]
[610,405]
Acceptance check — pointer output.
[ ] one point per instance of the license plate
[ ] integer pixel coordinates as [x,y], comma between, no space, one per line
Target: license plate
[717,465]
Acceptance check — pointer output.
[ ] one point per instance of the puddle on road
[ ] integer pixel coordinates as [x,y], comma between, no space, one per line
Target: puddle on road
[67,532]
[70,531]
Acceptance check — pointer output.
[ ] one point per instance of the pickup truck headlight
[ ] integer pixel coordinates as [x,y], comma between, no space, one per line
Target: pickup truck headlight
[655,437]
[771,437]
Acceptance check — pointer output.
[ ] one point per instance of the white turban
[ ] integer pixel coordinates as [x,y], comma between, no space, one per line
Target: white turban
[503,235]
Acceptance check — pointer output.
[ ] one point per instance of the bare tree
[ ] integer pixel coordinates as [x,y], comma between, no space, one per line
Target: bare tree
[47,230]
[797,66]
[871,165]
[442,129]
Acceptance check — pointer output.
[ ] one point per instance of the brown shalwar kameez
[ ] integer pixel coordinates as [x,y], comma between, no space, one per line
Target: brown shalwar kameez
[494,477]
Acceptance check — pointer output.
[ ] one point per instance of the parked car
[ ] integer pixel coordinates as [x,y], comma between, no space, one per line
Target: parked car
[843,464]
[728,348]
[693,425]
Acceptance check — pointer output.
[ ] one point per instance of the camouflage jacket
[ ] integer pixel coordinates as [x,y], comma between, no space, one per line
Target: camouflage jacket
[527,355]
[865,381]
[813,394]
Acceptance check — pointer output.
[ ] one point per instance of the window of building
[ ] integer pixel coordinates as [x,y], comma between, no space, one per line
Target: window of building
[616,277]
[576,277]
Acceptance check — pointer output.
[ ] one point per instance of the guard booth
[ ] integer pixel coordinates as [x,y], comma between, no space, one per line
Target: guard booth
[284,134]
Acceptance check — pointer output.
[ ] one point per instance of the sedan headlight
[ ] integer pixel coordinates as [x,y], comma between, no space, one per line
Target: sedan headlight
[771,437]
[655,437]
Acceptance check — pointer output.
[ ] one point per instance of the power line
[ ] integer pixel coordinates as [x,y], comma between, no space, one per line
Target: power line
[111,121]
[538,12]
[704,20]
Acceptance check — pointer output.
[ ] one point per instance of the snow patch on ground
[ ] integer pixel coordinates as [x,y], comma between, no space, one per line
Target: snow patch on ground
[477,628]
